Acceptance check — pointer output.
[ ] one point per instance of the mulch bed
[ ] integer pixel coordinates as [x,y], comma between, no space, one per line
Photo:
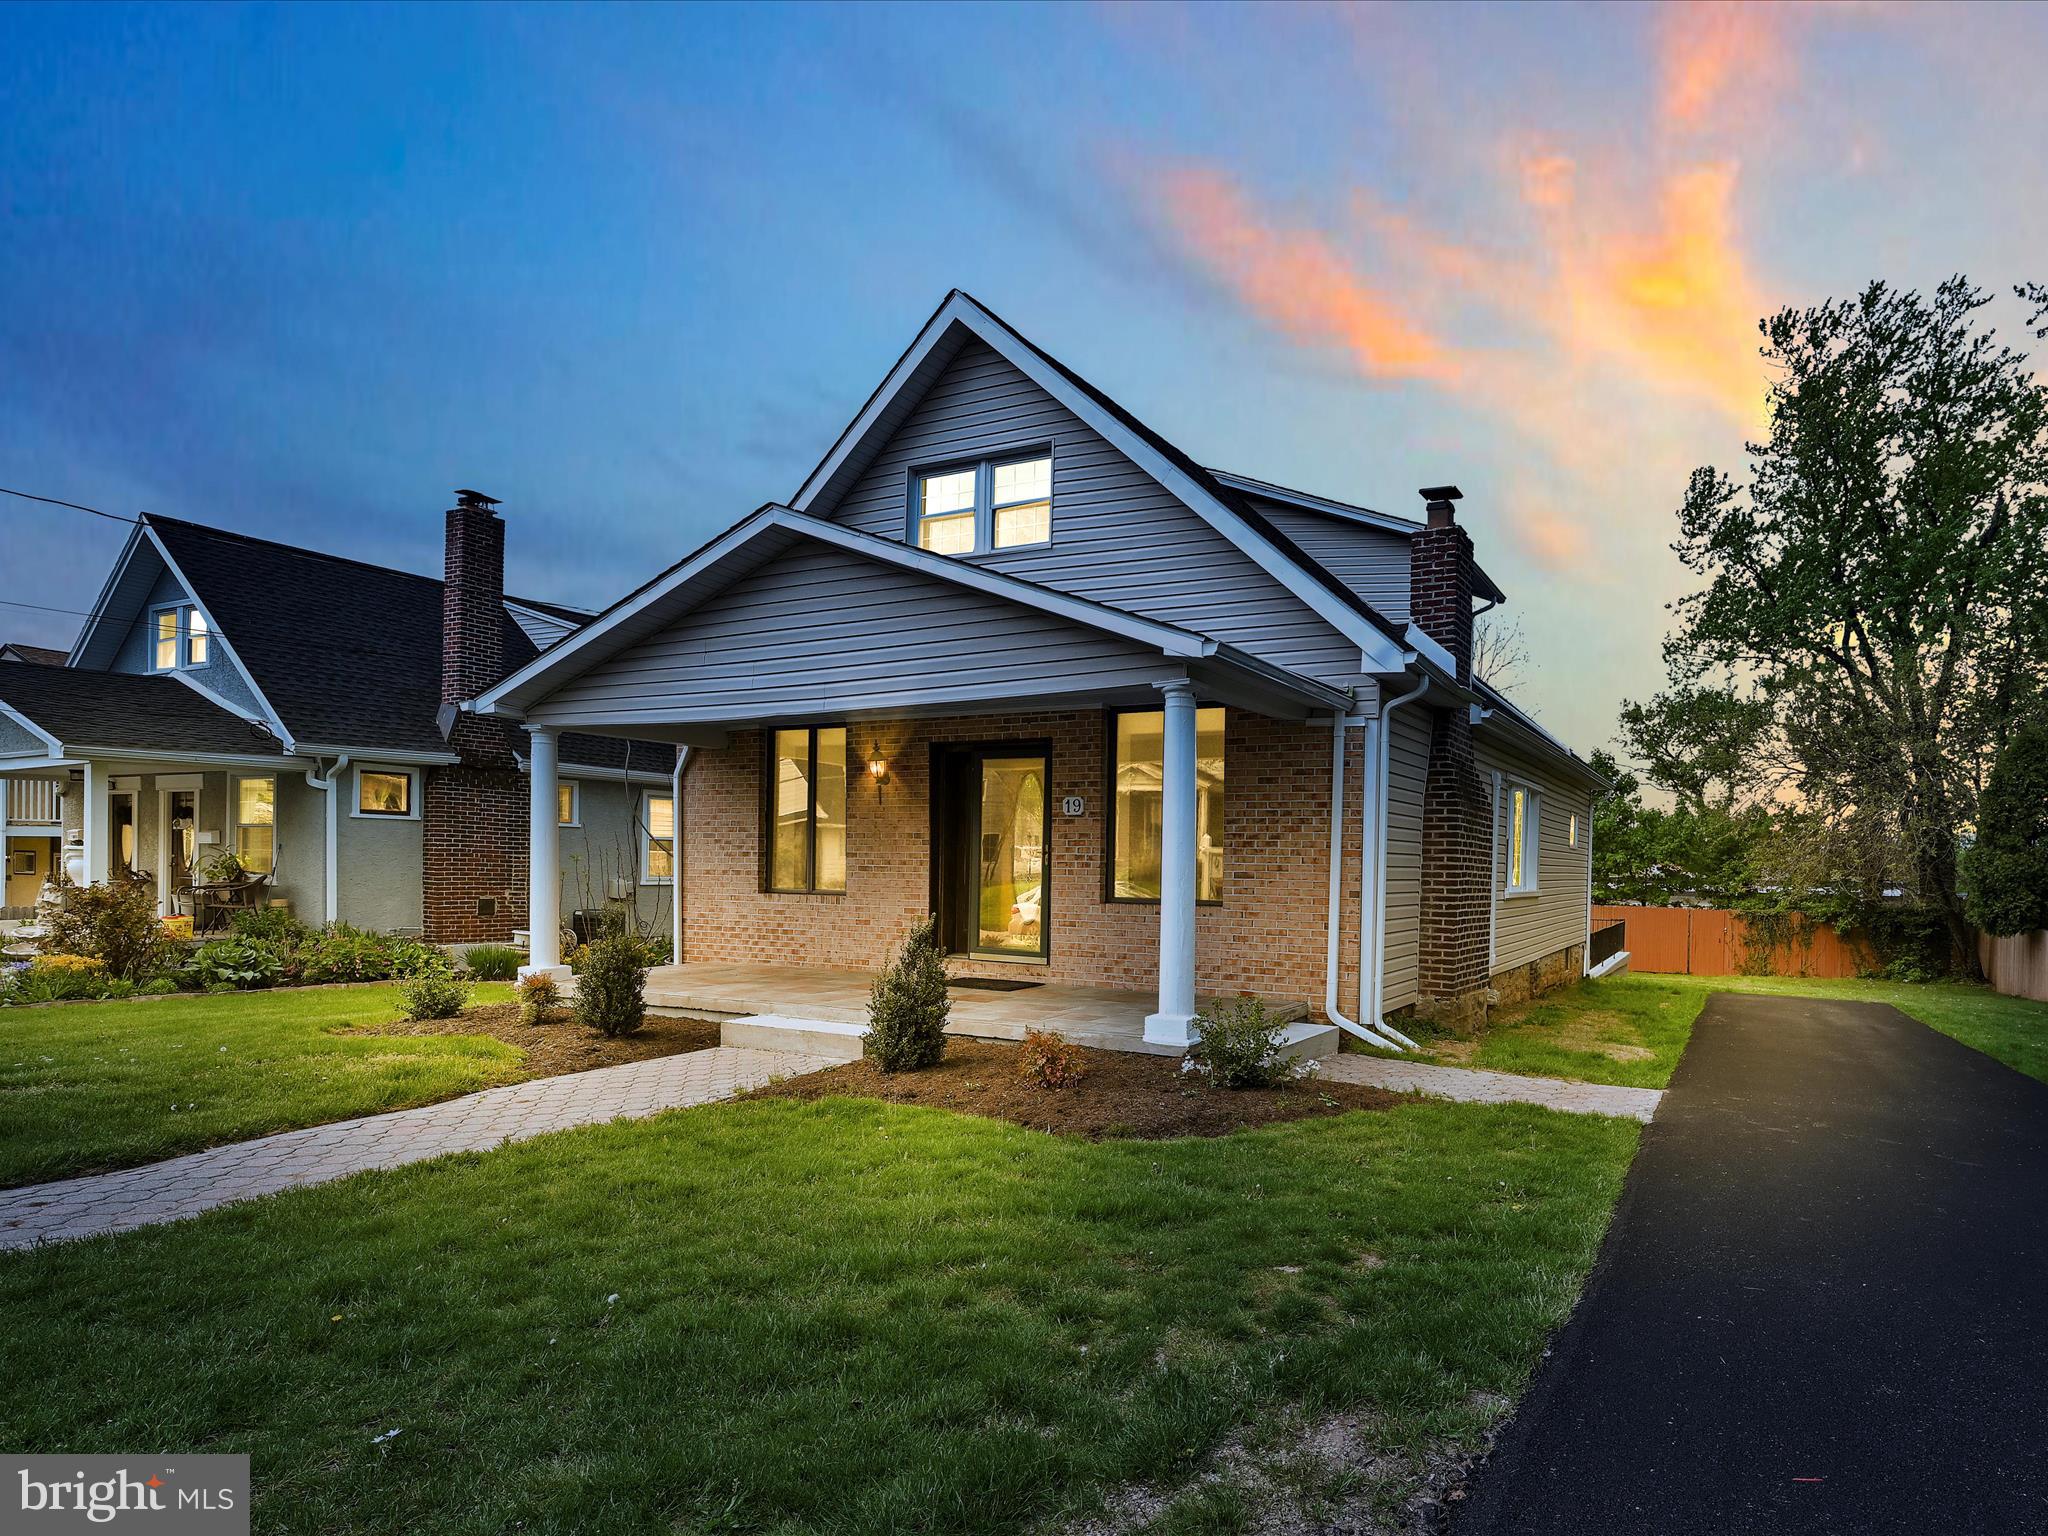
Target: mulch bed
[565,1045]
[1123,1096]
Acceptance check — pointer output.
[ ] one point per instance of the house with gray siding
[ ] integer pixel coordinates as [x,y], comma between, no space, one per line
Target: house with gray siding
[297,710]
[1118,719]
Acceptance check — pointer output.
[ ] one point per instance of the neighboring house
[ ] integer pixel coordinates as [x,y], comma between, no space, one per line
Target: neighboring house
[298,709]
[1009,656]
[35,655]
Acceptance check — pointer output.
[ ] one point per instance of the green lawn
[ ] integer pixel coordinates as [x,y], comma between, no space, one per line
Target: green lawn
[90,1086]
[844,1316]
[1632,1029]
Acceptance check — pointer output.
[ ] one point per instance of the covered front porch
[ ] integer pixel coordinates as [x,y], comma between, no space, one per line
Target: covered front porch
[1104,1018]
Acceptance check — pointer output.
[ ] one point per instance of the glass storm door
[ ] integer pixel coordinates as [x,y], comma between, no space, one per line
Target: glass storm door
[181,841]
[993,870]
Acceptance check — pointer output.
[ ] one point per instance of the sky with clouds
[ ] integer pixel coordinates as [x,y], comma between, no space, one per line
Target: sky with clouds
[302,272]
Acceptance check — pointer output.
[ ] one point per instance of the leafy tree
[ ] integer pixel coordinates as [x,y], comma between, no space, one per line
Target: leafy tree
[1876,598]
[2008,867]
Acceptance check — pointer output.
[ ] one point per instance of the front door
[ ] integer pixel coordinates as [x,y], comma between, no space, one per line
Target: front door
[992,825]
[181,844]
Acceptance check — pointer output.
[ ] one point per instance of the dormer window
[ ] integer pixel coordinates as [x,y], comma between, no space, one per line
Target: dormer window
[178,638]
[966,509]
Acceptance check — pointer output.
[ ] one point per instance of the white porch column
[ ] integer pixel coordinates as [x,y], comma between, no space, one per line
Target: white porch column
[96,823]
[544,855]
[1174,1023]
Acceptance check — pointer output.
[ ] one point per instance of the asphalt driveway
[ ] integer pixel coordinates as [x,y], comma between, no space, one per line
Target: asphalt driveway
[1822,1307]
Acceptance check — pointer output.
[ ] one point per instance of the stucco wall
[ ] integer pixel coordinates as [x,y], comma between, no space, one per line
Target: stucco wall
[380,867]
[607,844]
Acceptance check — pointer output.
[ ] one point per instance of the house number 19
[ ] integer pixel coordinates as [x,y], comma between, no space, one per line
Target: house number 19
[1073,805]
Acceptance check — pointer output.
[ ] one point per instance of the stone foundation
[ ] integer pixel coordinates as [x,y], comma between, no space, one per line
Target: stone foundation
[1519,983]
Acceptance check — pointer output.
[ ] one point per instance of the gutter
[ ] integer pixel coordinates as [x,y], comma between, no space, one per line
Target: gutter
[330,869]
[1378,935]
[1338,725]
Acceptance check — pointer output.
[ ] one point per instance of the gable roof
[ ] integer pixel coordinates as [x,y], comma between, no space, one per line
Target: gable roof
[1383,642]
[79,712]
[34,655]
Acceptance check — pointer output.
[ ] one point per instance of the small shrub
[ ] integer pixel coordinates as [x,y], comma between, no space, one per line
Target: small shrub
[234,965]
[156,986]
[416,957]
[345,953]
[1051,1060]
[540,996]
[273,925]
[609,996]
[435,995]
[1241,1047]
[115,924]
[493,962]
[61,978]
[907,1008]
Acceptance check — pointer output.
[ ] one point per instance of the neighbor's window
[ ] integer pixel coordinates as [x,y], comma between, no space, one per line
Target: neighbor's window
[383,792]
[1138,771]
[1524,820]
[565,799]
[657,839]
[996,504]
[256,824]
[178,638]
[805,809]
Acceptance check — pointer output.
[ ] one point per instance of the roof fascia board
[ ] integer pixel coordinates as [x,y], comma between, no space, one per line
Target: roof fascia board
[130,753]
[1308,503]
[219,637]
[509,696]
[380,754]
[1520,730]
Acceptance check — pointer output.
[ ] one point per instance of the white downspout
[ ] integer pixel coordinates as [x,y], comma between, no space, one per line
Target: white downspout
[330,866]
[1339,724]
[1379,885]
[675,860]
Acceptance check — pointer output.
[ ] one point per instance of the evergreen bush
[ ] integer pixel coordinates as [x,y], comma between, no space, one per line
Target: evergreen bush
[908,1006]
[609,995]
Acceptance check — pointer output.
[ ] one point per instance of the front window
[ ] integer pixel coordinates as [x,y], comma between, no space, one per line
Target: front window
[996,504]
[383,792]
[178,637]
[565,803]
[1139,772]
[806,809]
[256,824]
[658,840]
[1523,832]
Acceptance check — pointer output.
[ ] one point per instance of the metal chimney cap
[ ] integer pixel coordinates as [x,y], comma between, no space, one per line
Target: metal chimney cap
[1441,493]
[475,499]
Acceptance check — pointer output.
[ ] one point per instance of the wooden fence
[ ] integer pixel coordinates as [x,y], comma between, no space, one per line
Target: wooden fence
[2017,966]
[1705,941]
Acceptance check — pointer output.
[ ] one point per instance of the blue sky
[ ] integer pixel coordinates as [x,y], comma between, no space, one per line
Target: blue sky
[302,272]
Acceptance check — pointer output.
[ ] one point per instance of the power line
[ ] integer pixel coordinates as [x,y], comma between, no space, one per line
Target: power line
[51,501]
[8,602]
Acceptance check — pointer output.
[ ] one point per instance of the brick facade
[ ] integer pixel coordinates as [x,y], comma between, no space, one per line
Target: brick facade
[1268,935]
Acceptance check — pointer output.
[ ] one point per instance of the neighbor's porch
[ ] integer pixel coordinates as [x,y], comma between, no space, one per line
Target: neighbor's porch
[1106,1018]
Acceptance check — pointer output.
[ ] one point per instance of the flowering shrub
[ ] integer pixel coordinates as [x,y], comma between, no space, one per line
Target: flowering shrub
[1242,1047]
[116,924]
[55,979]
[539,997]
[1051,1060]
[344,953]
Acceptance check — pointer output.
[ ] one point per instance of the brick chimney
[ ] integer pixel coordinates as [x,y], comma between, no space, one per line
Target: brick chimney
[1456,813]
[1440,577]
[472,598]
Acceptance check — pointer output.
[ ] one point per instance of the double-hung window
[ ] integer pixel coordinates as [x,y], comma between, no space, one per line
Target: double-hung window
[657,839]
[804,809]
[998,503]
[1524,829]
[256,824]
[1136,820]
[178,637]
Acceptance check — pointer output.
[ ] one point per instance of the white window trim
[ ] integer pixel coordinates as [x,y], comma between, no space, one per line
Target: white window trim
[984,509]
[182,648]
[1532,840]
[412,794]
[235,822]
[575,802]
[642,829]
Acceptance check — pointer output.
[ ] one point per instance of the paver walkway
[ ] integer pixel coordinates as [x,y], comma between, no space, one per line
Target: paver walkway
[244,1170]
[1818,1309]
[1472,1086]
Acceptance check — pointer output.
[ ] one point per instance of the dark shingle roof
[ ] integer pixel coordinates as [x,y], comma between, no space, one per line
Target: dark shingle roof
[130,712]
[37,655]
[347,653]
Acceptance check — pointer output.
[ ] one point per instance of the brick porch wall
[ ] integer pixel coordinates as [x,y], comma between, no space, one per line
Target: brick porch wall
[1267,936]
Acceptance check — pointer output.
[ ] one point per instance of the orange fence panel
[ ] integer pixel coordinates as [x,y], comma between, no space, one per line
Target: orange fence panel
[1711,941]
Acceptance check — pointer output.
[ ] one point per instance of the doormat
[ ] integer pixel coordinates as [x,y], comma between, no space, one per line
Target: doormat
[992,983]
